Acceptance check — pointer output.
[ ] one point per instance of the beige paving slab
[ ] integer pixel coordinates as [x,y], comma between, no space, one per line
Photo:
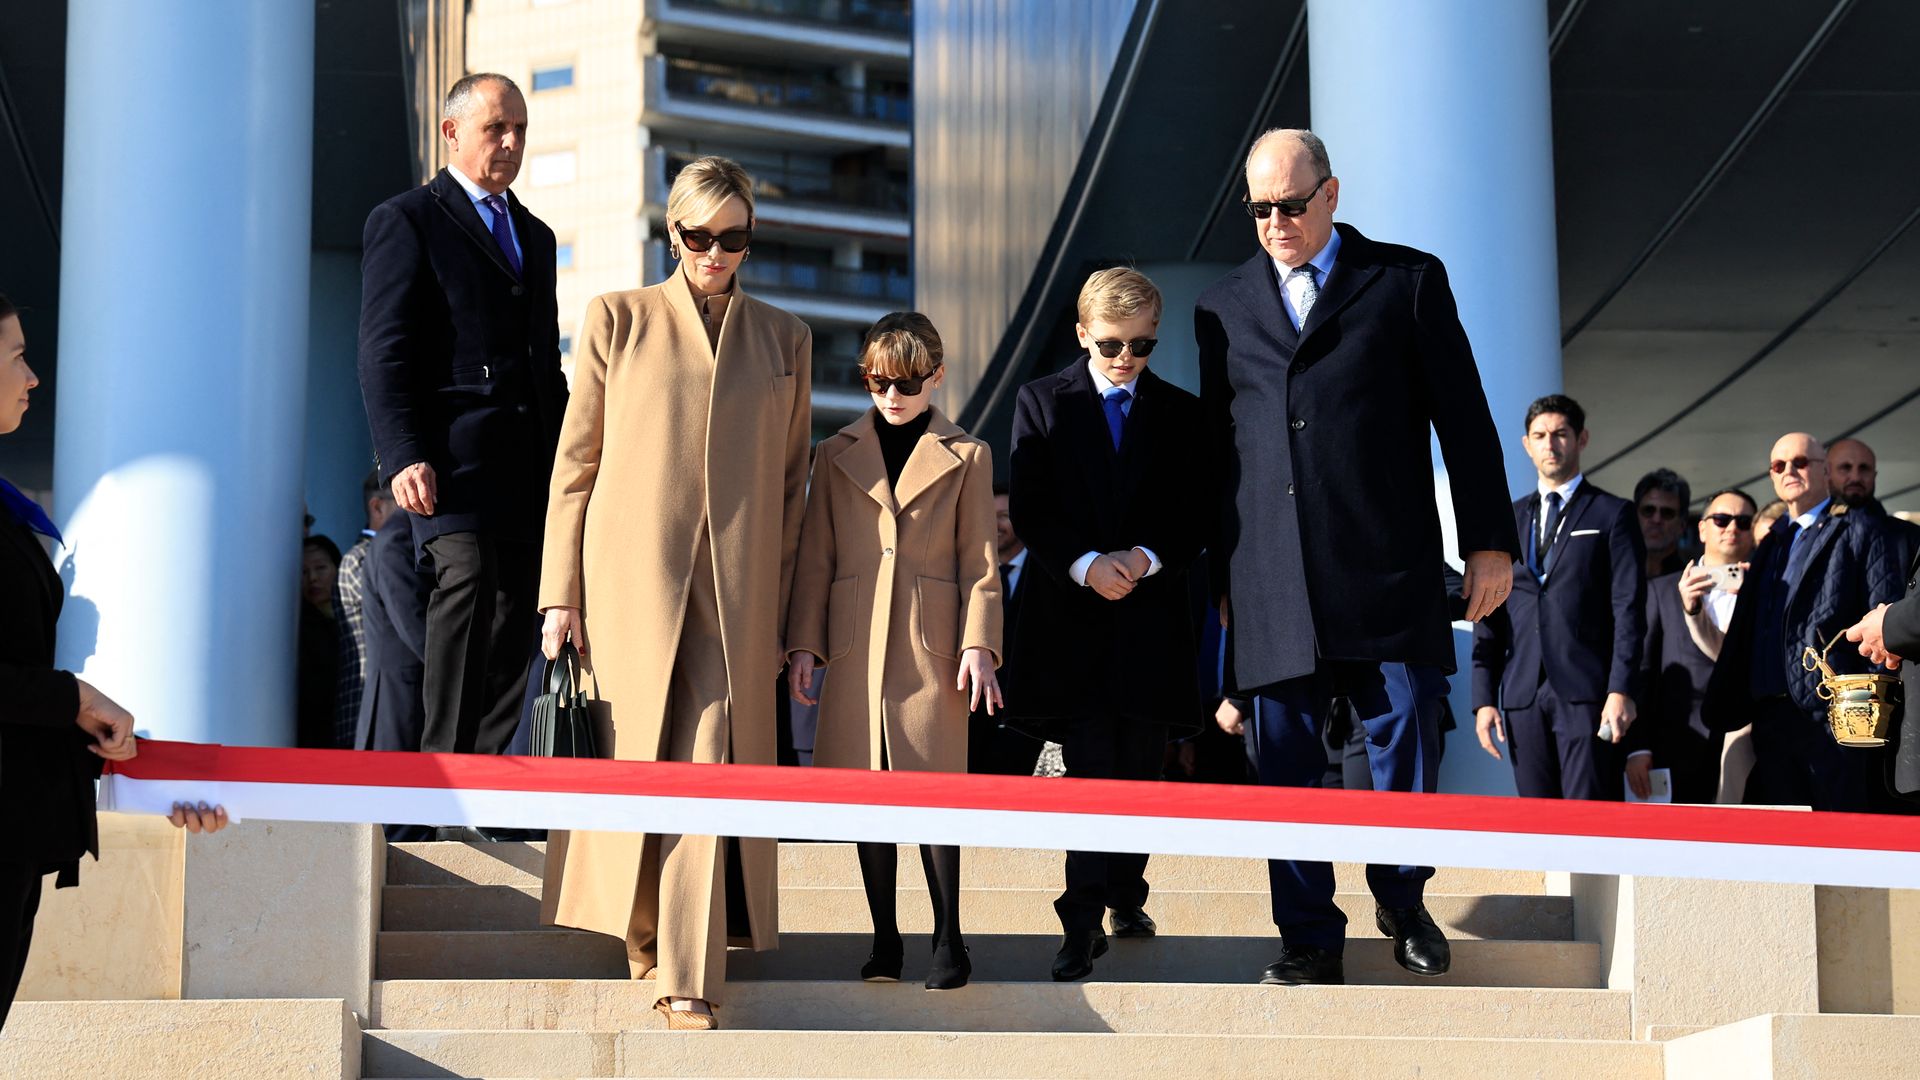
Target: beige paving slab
[572,954]
[1065,1056]
[833,865]
[1000,911]
[1132,1008]
[258,1039]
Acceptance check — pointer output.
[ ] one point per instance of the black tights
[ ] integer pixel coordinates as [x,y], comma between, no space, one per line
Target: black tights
[879,871]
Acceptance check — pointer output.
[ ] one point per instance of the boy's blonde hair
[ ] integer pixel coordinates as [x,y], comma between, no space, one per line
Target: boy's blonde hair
[1116,295]
[901,345]
[703,184]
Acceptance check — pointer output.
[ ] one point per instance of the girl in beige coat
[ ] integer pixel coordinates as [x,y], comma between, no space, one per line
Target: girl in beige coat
[672,526]
[898,591]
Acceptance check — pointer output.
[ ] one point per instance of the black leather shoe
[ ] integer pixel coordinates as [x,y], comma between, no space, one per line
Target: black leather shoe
[951,969]
[883,963]
[1133,922]
[1418,944]
[1077,954]
[1303,965]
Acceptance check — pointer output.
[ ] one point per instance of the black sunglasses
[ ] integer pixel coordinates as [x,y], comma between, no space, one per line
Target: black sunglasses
[1797,464]
[909,384]
[1140,346]
[1743,522]
[1262,209]
[733,241]
[1664,513]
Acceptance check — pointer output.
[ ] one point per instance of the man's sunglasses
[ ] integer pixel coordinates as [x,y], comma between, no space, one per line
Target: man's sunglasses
[733,241]
[1742,522]
[1264,208]
[1650,511]
[909,384]
[1798,464]
[1140,346]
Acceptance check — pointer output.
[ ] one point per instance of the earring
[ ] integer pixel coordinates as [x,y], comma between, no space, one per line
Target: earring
[674,250]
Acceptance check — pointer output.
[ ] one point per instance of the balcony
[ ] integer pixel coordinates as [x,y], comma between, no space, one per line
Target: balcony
[808,200]
[832,31]
[722,101]
[818,294]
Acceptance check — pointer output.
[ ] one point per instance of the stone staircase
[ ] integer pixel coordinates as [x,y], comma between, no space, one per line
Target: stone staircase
[467,983]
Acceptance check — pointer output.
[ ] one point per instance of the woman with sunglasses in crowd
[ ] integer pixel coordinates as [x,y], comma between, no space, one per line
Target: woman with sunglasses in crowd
[898,592]
[55,729]
[672,521]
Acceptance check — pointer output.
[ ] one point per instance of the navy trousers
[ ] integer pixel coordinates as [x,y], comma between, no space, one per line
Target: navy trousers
[1557,752]
[1400,711]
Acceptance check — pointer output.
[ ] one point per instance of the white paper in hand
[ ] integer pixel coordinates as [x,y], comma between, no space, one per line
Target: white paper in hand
[1659,787]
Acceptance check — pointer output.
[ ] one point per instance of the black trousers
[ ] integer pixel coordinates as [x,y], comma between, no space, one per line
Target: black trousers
[1797,763]
[481,627]
[996,750]
[1107,748]
[19,901]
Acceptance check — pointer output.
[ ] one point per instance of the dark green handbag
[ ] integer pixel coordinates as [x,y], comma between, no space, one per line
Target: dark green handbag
[562,726]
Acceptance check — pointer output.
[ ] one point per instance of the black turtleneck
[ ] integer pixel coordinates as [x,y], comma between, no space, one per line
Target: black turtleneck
[897,441]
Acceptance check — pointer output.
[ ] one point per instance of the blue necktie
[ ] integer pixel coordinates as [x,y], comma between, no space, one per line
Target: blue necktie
[1115,402]
[27,512]
[502,231]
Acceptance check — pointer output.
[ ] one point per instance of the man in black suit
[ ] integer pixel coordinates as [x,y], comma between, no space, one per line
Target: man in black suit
[993,747]
[460,368]
[1687,618]
[1821,569]
[1105,498]
[1553,674]
[1890,635]
[1324,360]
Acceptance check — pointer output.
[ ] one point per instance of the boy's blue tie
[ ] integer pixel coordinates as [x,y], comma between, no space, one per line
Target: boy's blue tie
[1115,400]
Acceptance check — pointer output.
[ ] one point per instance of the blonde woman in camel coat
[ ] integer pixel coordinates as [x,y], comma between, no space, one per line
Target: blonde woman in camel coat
[673,521]
[898,594]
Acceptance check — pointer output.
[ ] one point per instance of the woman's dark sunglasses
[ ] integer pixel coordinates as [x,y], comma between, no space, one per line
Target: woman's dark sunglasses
[1263,209]
[733,241]
[1140,346]
[909,385]
[1743,522]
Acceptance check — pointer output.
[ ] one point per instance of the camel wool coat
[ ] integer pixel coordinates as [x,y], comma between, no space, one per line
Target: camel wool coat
[893,584]
[624,514]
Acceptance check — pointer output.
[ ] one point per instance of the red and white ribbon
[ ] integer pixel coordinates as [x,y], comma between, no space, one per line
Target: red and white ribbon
[1727,843]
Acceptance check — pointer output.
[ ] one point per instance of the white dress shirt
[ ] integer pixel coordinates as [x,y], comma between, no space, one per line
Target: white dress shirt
[1292,289]
[480,195]
[1078,571]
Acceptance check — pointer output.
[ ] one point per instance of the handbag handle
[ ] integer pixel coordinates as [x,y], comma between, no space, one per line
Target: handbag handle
[563,672]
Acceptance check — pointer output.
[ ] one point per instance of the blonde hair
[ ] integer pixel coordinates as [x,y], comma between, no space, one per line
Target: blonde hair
[902,345]
[1116,295]
[703,185]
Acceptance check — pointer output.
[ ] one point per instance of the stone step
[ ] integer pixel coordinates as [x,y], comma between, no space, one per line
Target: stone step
[833,866]
[575,954]
[1129,1008]
[998,911]
[1065,1056]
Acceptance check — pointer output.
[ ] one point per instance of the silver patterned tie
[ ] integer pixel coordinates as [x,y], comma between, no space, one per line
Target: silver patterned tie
[1309,289]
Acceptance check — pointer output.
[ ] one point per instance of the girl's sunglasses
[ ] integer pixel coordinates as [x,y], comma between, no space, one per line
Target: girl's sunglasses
[733,241]
[909,385]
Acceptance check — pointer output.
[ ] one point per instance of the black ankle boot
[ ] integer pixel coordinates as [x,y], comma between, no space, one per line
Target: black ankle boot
[951,968]
[883,964]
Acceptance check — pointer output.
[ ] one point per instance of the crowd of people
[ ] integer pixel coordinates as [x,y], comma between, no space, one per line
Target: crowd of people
[1280,616]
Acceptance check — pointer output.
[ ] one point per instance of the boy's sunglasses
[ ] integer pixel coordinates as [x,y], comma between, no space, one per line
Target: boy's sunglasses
[909,384]
[1140,346]
[733,241]
[1263,209]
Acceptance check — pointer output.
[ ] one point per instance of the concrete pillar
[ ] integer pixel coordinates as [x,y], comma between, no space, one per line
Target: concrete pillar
[185,216]
[1437,119]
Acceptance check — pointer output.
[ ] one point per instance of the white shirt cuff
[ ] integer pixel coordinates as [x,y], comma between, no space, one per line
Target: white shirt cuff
[1153,561]
[1078,571]
[1639,753]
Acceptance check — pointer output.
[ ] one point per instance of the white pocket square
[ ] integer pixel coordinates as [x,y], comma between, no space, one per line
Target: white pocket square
[1583,532]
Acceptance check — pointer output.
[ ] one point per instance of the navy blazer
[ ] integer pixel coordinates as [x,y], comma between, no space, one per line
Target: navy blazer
[1674,674]
[46,771]
[1850,571]
[1075,653]
[1584,625]
[1328,533]
[460,359]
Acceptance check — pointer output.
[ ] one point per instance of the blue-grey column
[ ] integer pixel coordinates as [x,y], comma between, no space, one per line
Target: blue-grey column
[1437,118]
[183,329]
